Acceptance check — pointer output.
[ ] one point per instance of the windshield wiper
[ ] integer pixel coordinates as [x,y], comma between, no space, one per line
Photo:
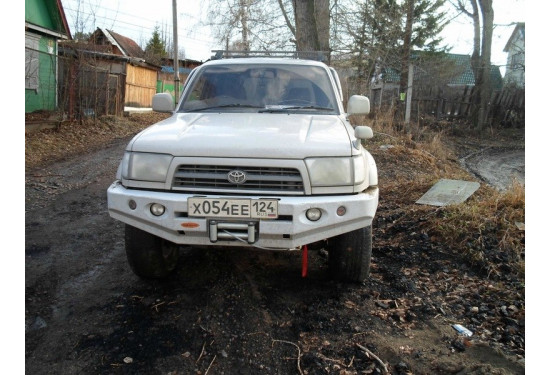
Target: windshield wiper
[233,105]
[294,107]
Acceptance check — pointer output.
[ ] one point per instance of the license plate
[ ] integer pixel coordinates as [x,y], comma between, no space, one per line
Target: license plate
[233,208]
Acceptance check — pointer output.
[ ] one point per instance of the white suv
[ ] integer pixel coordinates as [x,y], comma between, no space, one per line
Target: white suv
[259,152]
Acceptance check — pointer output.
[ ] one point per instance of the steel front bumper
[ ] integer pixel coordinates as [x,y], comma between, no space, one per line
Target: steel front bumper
[290,230]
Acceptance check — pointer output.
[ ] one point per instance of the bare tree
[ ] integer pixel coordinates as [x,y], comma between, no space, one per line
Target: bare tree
[301,25]
[322,15]
[481,55]
[312,25]
[487,15]
[243,18]
[307,38]
[84,19]
[474,15]
[250,24]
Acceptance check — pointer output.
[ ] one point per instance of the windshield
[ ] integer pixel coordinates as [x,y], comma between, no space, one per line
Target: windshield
[260,88]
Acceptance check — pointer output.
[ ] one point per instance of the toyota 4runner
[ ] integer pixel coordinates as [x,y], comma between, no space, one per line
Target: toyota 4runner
[259,152]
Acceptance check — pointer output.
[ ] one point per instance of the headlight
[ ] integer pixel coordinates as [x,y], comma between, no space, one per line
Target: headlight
[330,171]
[145,167]
[336,171]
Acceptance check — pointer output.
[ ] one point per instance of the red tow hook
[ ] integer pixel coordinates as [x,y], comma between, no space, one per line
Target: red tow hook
[304,261]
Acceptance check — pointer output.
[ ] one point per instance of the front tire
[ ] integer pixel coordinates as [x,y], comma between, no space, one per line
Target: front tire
[149,256]
[349,255]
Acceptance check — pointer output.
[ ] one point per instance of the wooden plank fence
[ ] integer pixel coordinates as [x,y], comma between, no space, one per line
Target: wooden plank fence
[506,108]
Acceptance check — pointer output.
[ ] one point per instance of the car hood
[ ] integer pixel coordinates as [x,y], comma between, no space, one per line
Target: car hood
[245,135]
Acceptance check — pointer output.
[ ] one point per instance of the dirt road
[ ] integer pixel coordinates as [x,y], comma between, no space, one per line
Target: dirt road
[498,166]
[246,312]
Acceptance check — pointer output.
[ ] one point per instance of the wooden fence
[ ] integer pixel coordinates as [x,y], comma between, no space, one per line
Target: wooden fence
[442,102]
[141,86]
[506,107]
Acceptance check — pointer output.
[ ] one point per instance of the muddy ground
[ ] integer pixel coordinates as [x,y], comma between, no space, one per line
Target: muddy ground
[234,311]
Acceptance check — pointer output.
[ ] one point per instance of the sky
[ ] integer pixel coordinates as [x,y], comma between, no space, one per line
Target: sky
[137,19]
[459,33]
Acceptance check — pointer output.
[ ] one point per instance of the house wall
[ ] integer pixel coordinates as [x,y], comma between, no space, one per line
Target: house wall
[515,64]
[41,56]
[37,12]
[141,86]
[41,74]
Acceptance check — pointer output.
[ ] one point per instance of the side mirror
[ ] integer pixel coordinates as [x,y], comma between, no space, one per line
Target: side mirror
[358,105]
[163,102]
[363,132]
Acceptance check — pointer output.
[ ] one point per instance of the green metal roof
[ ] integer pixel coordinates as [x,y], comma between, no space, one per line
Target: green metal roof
[390,75]
[464,76]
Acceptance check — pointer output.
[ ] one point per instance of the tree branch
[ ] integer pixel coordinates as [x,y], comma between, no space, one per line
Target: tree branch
[371,354]
[287,20]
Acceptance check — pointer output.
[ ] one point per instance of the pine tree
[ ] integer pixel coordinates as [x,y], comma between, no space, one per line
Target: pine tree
[155,50]
[387,31]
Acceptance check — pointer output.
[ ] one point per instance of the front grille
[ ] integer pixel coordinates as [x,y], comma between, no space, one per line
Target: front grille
[213,178]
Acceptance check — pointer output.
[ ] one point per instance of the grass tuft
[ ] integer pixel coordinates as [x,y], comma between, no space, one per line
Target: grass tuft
[487,230]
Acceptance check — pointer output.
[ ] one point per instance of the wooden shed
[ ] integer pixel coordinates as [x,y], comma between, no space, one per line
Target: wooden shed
[141,76]
[104,75]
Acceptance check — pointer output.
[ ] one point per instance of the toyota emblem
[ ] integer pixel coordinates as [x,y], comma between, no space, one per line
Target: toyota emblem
[236,177]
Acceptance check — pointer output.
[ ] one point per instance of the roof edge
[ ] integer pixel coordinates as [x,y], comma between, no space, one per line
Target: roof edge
[519,25]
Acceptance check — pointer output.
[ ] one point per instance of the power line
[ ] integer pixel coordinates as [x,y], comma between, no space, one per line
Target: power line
[137,29]
[99,19]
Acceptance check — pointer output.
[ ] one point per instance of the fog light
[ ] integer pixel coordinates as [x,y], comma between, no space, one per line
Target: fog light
[313,214]
[132,204]
[341,211]
[157,209]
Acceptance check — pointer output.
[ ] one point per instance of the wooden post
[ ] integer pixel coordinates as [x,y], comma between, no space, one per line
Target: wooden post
[409,94]
[176,58]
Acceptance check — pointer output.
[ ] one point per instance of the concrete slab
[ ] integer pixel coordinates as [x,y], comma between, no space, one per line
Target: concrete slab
[446,192]
[130,110]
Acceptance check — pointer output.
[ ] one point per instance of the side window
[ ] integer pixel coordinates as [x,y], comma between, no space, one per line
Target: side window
[337,80]
[200,89]
[189,77]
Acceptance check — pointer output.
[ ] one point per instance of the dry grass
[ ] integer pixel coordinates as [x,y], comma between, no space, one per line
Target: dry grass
[75,138]
[483,229]
[487,229]
[388,131]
